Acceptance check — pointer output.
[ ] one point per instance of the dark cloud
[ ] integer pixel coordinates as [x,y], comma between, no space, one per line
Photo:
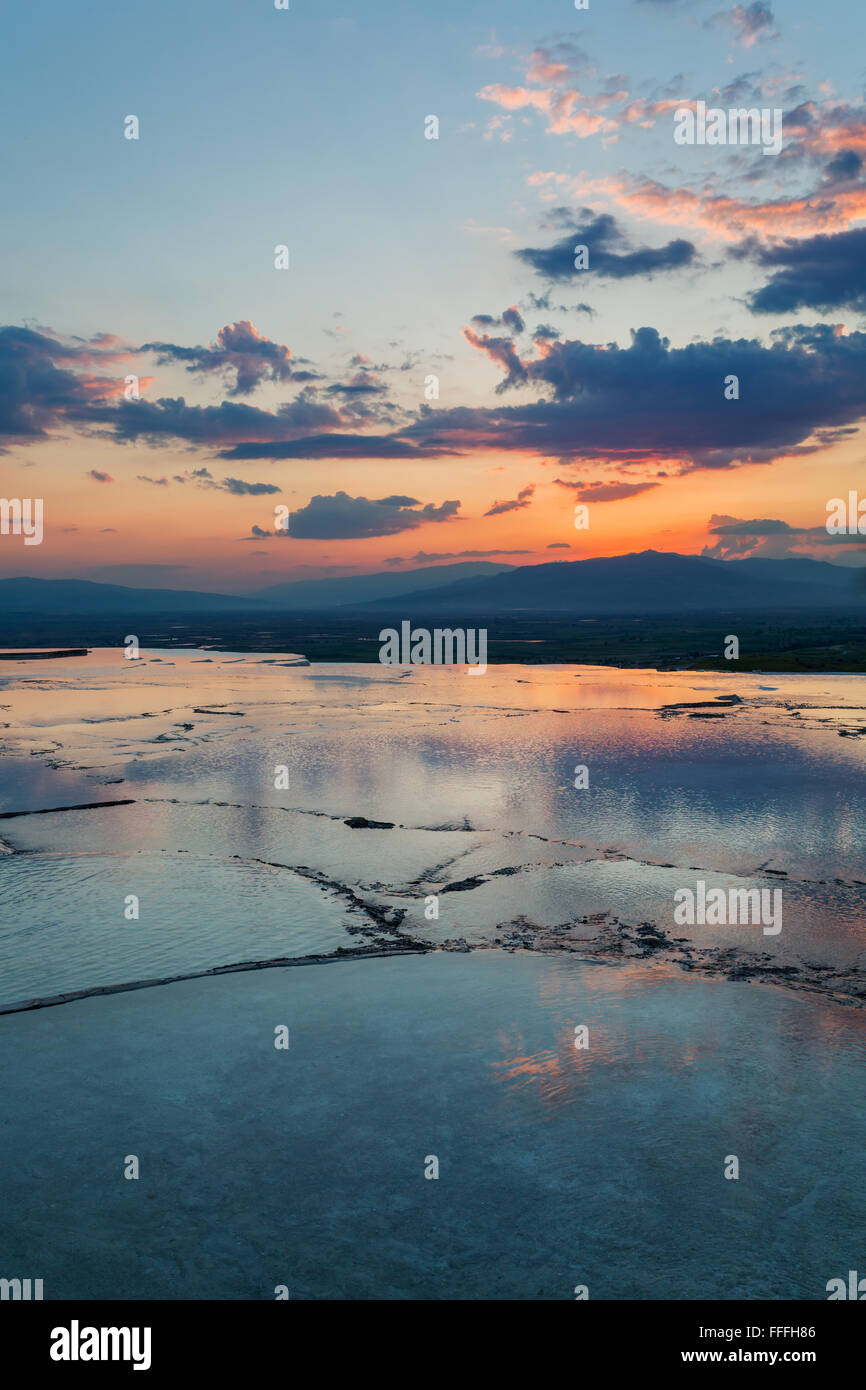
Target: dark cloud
[750,23]
[239,352]
[847,164]
[99,477]
[608,251]
[46,383]
[644,403]
[542,302]
[363,383]
[342,517]
[239,488]
[768,537]
[501,350]
[157,421]
[523,499]
[427,557]
[605,492]
[202,477]
[818,272]
[651,402]
[36,392]
[510,319]
[322,446]
[765,527]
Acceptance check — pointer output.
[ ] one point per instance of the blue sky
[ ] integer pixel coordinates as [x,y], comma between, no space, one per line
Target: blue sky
[306,127]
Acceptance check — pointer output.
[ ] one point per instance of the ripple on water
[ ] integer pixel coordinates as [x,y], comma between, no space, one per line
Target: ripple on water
[63,928]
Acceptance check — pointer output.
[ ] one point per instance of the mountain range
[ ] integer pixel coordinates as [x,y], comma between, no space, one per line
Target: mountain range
[310,594]
[651,582]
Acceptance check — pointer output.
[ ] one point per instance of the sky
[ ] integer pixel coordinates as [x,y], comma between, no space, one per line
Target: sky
[431,378]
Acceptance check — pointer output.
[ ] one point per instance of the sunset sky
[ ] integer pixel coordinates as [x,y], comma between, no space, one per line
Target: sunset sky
[411,258]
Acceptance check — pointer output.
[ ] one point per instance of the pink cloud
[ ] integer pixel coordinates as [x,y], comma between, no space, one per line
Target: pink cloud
[559,107]
[724,217]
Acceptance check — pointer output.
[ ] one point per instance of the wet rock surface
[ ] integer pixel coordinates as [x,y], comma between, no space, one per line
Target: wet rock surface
[435,861]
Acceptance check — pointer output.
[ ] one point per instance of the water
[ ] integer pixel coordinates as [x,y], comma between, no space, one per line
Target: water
[557,1167]
[474,775]
[305,1167]
[66,928]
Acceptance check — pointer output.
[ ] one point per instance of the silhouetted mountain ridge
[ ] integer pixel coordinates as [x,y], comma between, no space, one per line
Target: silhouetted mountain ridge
[651,582]
[363,588]
[648,582]
[82,596]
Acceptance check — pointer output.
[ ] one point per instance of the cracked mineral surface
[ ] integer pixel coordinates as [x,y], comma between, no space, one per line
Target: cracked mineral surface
[402,868]
[423,811]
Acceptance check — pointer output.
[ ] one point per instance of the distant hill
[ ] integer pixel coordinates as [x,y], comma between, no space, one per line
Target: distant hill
[81,596]
[803,571]
[307,595]
[624,585]
[651,582]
